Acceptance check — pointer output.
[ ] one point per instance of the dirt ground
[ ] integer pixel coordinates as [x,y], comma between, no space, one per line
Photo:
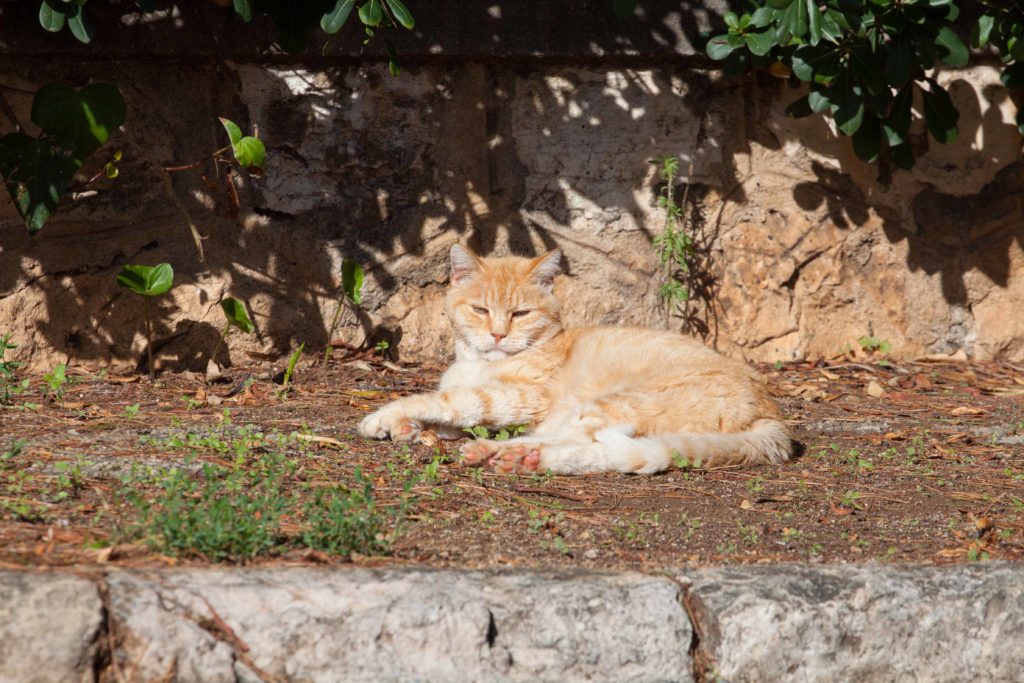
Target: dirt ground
[910,462]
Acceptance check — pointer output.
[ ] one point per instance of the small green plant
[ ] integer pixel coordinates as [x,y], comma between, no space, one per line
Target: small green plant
[873,344]
[55,381]
[131,411]
[236,316]
[148,282]
[850,499]
[13,450]
[381,347]
[756,485]
[675,245]
[682,462]
[748,533]
[289,371]
[227,513]
[343,521]
[351,291]
[10,386]
[70,478]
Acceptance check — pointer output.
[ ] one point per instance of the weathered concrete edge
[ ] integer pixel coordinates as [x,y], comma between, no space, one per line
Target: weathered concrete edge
[782,622]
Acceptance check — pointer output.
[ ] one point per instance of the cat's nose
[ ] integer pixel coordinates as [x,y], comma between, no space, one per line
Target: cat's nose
[498,337]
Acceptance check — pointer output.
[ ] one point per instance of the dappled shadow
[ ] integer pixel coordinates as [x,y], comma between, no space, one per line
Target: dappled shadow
[493,143]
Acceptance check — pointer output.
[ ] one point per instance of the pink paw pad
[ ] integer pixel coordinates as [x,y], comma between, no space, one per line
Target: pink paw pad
[519,459]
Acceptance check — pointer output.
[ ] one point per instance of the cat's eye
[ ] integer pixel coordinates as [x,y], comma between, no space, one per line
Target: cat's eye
[519,314]
[480,310]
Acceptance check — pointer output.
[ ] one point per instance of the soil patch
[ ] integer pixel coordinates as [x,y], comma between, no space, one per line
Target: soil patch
[916,462]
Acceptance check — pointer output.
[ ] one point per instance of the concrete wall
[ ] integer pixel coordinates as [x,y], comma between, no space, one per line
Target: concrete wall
[507,129]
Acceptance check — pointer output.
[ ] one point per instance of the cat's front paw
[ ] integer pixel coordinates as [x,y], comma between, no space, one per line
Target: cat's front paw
[386,423]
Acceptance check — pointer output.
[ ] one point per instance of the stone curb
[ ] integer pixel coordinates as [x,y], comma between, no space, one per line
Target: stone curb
[777,623]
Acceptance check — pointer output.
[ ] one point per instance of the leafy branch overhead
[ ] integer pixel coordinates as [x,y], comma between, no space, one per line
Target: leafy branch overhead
[864,61]
[75,123]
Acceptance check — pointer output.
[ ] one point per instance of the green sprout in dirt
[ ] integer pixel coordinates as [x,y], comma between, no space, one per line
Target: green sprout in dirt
[675,245]
[148,282]
[352,292]
[10,386]
[343,521]
[55,381]
[236,316]
[289,370]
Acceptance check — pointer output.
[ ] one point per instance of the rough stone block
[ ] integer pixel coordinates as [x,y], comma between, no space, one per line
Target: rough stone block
[360,625]
[49,627]
[856,623]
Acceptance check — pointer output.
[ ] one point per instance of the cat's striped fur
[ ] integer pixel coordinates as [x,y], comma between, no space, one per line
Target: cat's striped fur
[598,398]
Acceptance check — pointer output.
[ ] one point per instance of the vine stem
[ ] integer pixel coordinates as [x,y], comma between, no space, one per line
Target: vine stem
[149,340]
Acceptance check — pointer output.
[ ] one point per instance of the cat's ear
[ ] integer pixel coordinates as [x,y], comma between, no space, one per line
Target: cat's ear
[546,267]
[465,264]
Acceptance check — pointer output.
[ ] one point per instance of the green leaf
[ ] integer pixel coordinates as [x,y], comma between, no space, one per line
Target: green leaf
[234,311]
[1016,46]
[762,17]
[830,28]
[982,31]
[847,107]
[720,47]
[352,281]
[940,116]
[624,8]
[80,26]
[896,127]
[760,43]
[243,8]
[37,174]
[250,153]
[233,131]
[898,61]
[800,108]
[1013,76]
[866,65]
[87,117]
[954,49]
[813,21]
[731,20]
[147,280]
[332,21]
[818,101]
[50,18]
[371,13]
[795,20]
[867,141]
[401,13]
[392,57]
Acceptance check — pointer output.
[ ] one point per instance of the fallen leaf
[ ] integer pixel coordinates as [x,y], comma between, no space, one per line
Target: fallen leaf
[874,389]
[123,380]
[827,374]
[326,440]
[922,381]
[746,505]
[968,410]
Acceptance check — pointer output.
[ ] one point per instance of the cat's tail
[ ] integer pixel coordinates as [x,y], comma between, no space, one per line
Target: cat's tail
[767,442]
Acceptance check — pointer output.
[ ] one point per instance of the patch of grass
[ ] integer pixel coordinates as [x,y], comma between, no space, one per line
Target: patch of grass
[261,502]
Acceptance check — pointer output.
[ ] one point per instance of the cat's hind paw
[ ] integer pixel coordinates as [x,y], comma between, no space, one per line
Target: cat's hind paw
[478,451]
[519,459]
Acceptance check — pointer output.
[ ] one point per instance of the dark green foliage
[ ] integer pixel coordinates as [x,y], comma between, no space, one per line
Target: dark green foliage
[147,280]
[75,123]
[863,60]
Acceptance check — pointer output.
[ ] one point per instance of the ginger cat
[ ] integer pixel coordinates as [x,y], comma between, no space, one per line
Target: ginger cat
[595,398]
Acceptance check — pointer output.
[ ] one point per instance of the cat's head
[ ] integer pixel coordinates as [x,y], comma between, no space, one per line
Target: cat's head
[502,306]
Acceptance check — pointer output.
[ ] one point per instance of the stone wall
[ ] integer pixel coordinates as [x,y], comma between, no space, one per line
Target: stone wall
[522,139]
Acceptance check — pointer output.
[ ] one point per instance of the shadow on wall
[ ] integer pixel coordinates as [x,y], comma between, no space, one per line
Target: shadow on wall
[512,152]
